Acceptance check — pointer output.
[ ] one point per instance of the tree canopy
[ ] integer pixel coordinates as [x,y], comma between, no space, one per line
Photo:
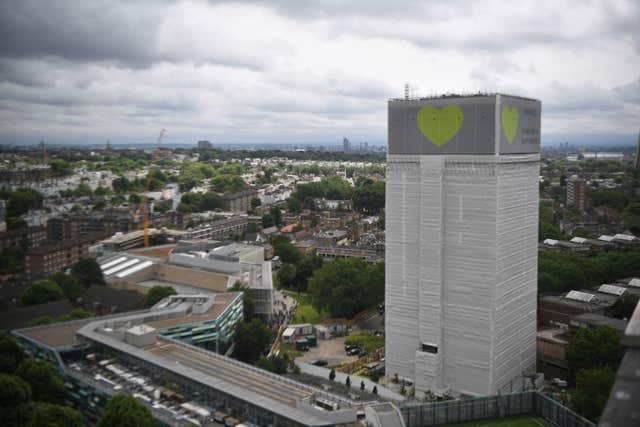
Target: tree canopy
[46,384]
[21,200]
[48,415]
[125,411]
[42,291]
[252,339]
[157,293]
[369,196]
[592,391]
[344,287]
[15,396]
[70,285]
[88,271]
[594,348]
[10,353]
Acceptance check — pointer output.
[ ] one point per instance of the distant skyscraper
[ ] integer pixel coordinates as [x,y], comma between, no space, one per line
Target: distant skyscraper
[346,145]
[461,242]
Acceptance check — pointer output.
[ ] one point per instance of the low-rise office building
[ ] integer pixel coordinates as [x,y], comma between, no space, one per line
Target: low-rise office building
[130,354]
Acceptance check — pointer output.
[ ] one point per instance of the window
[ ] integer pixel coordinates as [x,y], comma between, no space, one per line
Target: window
[430,348]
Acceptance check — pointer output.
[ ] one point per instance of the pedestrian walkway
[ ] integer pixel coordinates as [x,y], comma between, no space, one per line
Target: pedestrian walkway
[321,372]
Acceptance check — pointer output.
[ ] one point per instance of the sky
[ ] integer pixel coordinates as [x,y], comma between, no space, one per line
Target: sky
[306,71]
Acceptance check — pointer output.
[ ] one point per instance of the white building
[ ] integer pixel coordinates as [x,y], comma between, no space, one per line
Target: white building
[461,242]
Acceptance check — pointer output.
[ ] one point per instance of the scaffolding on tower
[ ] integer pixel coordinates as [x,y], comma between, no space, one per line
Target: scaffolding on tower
[143,202]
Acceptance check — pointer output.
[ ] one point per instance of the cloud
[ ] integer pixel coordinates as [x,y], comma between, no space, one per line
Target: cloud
[314,70]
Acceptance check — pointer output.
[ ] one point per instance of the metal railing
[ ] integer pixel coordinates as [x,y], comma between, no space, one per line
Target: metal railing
[530,403]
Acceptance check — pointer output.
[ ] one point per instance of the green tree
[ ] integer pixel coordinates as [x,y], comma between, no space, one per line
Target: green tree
[82,190]
[121,185]
[48,415]
[46,384]
[623,307]
[273,364]
[255,202]
[369,197]
[14,223]
[42,291]
[267,221]
[592,391]
[60,167]
[10,353]
[15,396]
[287,276]
[125,411]
[248,304]
[252,339]
[21,200]
[276,214]
[293,205]
[227,183]
[594,348]
[345,287]
[287,253]
[209,202]
[88,271]
[157,293]
[70,285]
[304,270]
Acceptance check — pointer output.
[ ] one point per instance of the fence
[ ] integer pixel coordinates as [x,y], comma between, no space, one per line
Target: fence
[491,407]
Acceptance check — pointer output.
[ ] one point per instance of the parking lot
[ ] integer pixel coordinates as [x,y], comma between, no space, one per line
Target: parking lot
[330,350]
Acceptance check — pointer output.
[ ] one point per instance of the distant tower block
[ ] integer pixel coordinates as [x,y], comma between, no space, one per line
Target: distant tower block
[462,242]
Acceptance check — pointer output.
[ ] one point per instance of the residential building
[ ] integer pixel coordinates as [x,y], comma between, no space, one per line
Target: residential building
[239,201]
[53,257]
[577,197]
[462,242]
[23,238]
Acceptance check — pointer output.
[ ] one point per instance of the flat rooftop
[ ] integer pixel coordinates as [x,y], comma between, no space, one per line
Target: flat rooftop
[56,335]
[213,368]
[157,252]
[220,304]
[460,96]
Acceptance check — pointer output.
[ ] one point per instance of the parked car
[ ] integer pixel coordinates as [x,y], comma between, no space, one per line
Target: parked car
[354,351]
[319,362]
[362,353]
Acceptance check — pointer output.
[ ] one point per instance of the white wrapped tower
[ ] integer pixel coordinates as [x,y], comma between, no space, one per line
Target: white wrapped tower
[461,242]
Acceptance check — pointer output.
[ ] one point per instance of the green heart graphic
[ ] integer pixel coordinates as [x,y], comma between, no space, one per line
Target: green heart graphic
[440,126]
[510,121]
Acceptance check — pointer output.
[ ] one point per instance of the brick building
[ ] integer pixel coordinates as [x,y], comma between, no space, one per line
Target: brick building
[54,257]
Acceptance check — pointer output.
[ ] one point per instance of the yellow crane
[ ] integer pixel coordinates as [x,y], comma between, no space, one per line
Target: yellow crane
[143,200]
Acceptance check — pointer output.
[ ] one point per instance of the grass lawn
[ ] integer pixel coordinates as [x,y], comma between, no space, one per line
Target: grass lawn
[525,421]
[305,313]
[367,342]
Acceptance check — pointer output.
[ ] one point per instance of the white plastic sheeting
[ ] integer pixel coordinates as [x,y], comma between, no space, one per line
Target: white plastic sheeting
[580,296]
[461,271]
[121,266]
[134,269]
[612,290]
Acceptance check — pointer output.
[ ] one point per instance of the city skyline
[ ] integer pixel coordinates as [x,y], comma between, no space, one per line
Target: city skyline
[281,72]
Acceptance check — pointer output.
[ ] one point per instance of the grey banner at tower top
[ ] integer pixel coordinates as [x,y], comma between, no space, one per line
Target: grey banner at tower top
[482,124]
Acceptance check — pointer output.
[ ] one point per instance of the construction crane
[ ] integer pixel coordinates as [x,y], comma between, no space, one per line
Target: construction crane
[143,202]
